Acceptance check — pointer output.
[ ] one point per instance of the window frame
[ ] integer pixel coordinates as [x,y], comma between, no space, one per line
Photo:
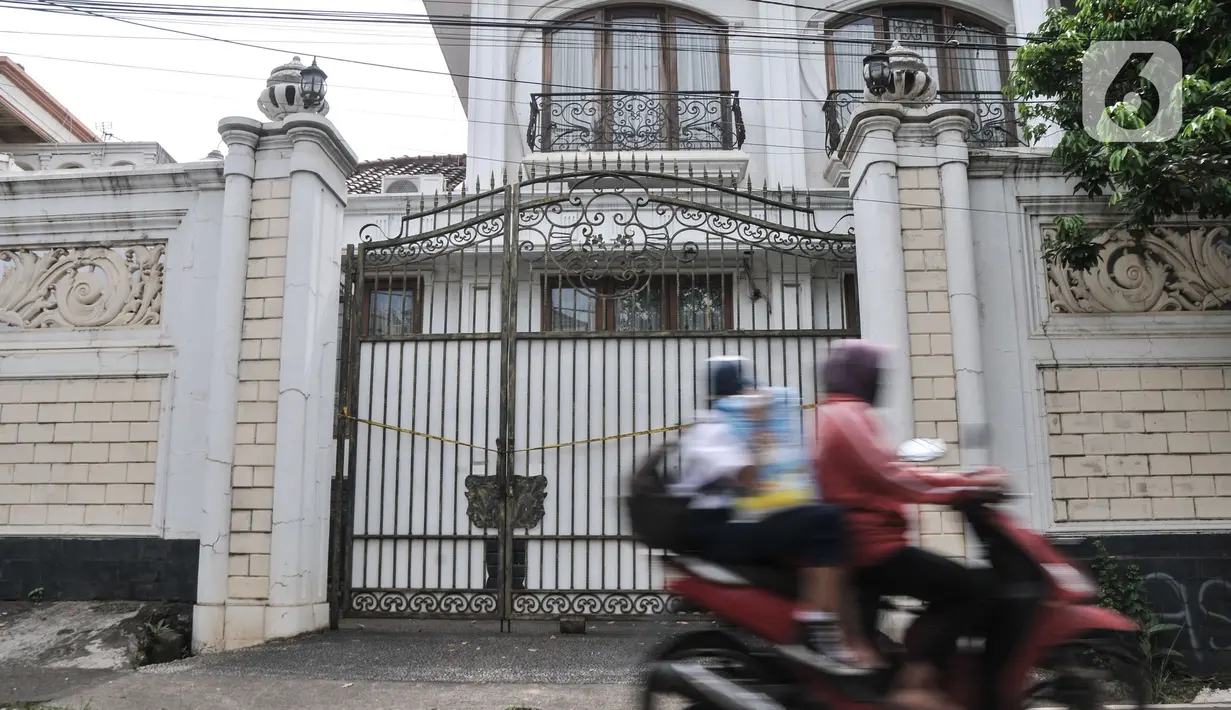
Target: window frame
[605,315]
[393,283]
[602,18]
[946,57]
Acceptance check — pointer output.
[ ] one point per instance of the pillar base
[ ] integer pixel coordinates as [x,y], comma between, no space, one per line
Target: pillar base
[287,621]
[208,626]
[218,628]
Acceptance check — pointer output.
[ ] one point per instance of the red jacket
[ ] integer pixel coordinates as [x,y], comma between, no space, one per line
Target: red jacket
[859,472]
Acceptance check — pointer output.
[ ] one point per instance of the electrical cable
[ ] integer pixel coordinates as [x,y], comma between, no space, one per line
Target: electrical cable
[113,10]
[785,149]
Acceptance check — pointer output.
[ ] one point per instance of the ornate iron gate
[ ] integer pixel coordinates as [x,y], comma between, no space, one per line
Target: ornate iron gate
[509,355]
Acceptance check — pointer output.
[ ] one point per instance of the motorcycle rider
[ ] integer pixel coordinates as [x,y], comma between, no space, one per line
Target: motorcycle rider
[860,473]
[714,466]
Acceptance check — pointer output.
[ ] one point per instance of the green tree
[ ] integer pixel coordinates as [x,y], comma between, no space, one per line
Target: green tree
[1146,181]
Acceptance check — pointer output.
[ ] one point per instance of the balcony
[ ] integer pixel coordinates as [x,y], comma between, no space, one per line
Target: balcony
[994,124]
[627,121]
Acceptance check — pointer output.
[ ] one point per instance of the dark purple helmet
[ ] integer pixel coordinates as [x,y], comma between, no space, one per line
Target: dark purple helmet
[854,368]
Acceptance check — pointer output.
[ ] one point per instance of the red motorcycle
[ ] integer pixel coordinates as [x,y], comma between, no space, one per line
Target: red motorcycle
[1041,639]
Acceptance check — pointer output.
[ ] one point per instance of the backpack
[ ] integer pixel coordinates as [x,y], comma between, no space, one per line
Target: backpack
[659,519]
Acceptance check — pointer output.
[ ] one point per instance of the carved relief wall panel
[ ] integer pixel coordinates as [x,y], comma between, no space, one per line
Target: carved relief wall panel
[81,286]
[1161,269]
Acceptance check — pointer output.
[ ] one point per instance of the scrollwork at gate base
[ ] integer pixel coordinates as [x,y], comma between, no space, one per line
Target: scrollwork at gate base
[529,605]
[553,604]
[410,604]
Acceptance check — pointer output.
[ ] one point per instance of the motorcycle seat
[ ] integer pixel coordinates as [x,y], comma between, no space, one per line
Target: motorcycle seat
[780,580]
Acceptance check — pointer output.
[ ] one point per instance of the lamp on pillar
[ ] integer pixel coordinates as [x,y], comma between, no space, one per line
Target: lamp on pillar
[899,75]
[294,88]
[312,85]
[876,73]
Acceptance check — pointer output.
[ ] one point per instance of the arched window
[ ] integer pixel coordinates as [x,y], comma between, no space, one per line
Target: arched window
[635,77]
[636,48]
[964,67]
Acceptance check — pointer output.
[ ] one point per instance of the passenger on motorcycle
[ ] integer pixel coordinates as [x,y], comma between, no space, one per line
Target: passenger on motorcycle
[860,473]
[715,466]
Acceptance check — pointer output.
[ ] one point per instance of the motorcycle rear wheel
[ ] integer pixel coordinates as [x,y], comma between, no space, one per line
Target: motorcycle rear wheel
[1076,675]
[718,652]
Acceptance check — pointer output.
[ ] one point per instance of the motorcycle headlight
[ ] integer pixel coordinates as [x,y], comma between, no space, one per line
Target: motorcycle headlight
[1071,579]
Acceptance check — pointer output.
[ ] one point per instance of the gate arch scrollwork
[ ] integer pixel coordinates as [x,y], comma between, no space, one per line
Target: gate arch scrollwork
[609,233]
[614,227]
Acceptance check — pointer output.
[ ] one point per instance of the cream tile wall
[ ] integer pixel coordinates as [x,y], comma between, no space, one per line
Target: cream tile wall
[931,341]
[253,474]
[78,453]
[1139,443]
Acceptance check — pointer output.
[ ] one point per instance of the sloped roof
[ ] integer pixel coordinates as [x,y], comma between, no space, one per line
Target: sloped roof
[366,179]
[16,126]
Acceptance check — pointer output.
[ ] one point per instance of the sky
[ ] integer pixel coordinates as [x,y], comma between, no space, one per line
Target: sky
[142,81]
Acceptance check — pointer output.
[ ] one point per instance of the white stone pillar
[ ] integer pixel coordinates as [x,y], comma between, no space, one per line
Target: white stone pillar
[208,626]
[872,150]
[320,161]
[488,98]
[964,306]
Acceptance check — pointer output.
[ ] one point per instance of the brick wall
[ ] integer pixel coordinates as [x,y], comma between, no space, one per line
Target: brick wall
[931,341]
[253,474]
[1139,443]
[78,452]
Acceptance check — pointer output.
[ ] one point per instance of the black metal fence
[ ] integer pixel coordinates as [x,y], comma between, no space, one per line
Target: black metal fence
[510,355]
[630,120]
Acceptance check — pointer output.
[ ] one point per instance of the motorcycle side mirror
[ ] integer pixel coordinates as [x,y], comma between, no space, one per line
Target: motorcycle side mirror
[922,450]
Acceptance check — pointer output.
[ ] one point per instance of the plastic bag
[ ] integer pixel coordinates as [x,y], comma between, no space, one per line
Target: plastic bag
[768,421]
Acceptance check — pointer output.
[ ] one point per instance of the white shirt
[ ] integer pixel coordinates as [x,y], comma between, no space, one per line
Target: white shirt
[709,452]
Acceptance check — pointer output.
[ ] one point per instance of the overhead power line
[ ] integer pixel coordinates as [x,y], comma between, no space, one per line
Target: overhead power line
[513,102]
[120,10]
[71,7]
[770,148]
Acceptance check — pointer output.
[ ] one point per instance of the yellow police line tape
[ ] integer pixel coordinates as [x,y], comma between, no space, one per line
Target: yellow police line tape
[381,425]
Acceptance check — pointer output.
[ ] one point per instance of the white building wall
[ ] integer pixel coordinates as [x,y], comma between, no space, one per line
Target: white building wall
[103,372]
[783,81]
[1114,422]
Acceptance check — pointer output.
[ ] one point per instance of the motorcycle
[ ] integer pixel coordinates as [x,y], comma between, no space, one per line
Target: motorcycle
[1042,639]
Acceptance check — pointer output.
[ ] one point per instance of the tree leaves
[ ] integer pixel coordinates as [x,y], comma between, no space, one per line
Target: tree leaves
[1146,181]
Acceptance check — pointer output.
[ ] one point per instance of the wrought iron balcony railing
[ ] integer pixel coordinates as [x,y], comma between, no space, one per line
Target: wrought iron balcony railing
[631,120]
[994,124]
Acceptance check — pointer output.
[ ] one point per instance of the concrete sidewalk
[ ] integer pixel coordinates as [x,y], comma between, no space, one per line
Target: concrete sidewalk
[144,691]
[380,664]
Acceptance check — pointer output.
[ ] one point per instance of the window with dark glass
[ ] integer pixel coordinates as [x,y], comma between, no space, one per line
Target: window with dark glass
[692,303]
[391,307]
[850,301]
[637,74]
[970,64]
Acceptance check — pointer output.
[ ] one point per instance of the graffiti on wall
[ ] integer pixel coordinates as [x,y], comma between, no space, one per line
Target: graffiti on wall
[1202,610]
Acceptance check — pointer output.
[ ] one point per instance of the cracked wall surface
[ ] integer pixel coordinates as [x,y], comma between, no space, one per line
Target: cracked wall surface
[78,454]
[1149,443]
[933,377]
[260,349]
